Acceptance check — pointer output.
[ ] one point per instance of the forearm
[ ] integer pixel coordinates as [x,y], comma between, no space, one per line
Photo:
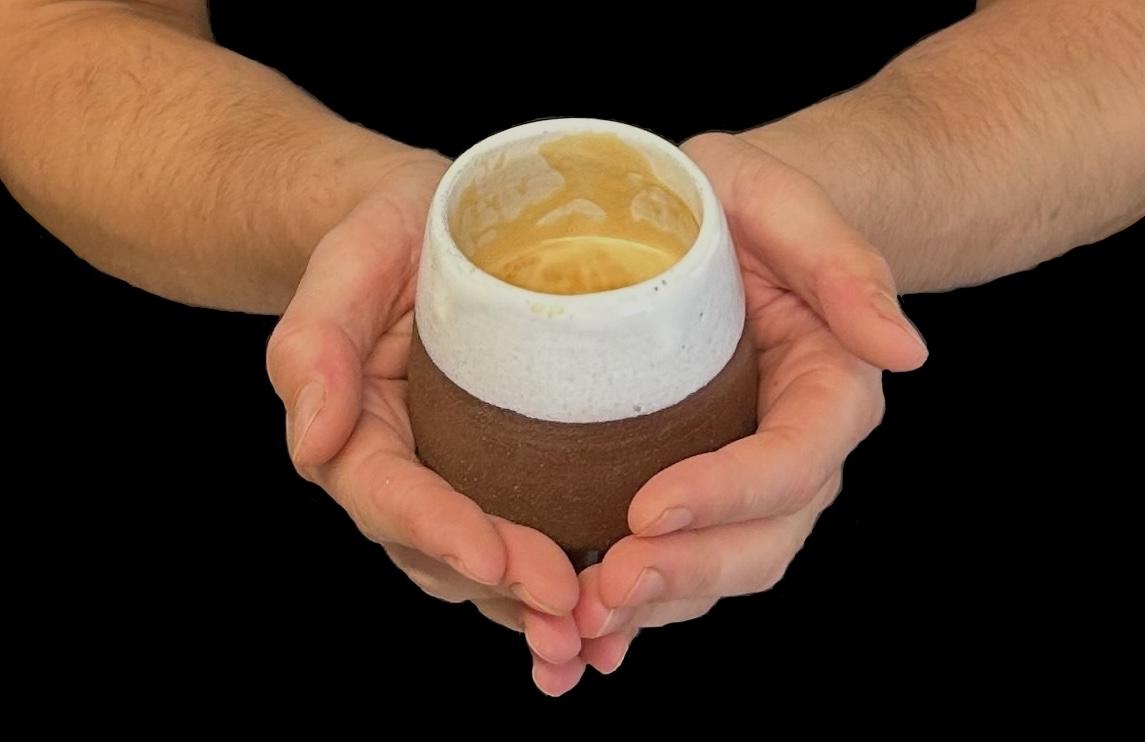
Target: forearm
[999,143]
[170,162]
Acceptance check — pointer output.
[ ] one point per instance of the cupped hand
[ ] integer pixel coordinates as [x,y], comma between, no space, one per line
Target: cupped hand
[338,361]
[822,310]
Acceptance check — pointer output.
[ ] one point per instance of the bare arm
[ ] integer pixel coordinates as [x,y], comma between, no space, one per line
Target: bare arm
[168,161]
[994,145]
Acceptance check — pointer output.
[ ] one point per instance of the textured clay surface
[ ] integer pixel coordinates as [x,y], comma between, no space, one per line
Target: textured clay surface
[571,481]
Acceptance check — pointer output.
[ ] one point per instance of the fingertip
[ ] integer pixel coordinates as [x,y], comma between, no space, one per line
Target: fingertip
[907,349]
[556,680]
[868,320]
[649,502]
[554,639]
[316,371]
[593,618]
[619,571]
[537,571]
[910,358]
[589,612]
[483,558]
[661,505]
[561,593]
[607,655]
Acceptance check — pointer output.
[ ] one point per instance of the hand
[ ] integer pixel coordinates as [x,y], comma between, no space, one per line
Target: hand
[821,308]
[338,361]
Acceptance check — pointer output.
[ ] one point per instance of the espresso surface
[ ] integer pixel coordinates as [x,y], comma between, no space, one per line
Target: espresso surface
[572,481]
[592,217]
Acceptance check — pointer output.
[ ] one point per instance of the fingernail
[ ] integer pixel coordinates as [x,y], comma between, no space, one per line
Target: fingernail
[672,519]
[527,598]
[307,405]
[537,684]
[889,309]
[534,650]
[619,662]
[465,571]
[611,623]
[649,585]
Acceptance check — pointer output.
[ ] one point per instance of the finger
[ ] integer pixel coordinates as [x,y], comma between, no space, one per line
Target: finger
[804,436]
[537,572]
[593,618]
[725,560]
[317,373]
[552,638]
[605,655]
[791,222]
[504,611]
[438,579]
[355,285]
[393,499]
[556,680]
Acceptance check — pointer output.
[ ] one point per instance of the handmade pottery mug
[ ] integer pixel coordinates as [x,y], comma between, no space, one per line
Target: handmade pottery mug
[579,326]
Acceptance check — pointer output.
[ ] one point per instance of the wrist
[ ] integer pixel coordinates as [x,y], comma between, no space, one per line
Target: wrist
[344,165]
[823,143]
[847,146]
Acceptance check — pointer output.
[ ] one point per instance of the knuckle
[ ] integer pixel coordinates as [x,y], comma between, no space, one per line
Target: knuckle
[282,347]
[701,144]
[417,518]
[833,487]
[863,385]
[369,521]
[306,471]
[878,410]
[705,608]
[774,576]
[823,499]
[698,609]
[366,527]
[773,572]
[381,509]
[298,348]
[803,478]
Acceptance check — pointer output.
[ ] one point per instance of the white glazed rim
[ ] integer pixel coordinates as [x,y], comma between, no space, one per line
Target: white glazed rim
[707,237]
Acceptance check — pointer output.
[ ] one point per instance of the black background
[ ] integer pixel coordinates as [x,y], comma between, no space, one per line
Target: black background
[983,540]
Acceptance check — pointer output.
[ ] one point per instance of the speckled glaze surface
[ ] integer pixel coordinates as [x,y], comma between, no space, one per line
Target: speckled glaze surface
[587,357]
[552,410]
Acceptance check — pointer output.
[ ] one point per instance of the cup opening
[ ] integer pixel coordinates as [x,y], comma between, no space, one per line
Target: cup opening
[576,212]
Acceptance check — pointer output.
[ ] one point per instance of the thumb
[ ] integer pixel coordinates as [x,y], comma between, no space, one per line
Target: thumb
[316,372]
[786,220]
[356,284]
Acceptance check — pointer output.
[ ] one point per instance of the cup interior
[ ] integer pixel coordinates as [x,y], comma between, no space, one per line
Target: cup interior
[520,188]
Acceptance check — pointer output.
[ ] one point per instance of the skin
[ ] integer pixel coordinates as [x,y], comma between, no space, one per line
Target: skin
[999,143]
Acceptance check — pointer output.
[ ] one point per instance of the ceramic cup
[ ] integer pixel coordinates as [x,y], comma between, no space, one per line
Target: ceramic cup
[552,410]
